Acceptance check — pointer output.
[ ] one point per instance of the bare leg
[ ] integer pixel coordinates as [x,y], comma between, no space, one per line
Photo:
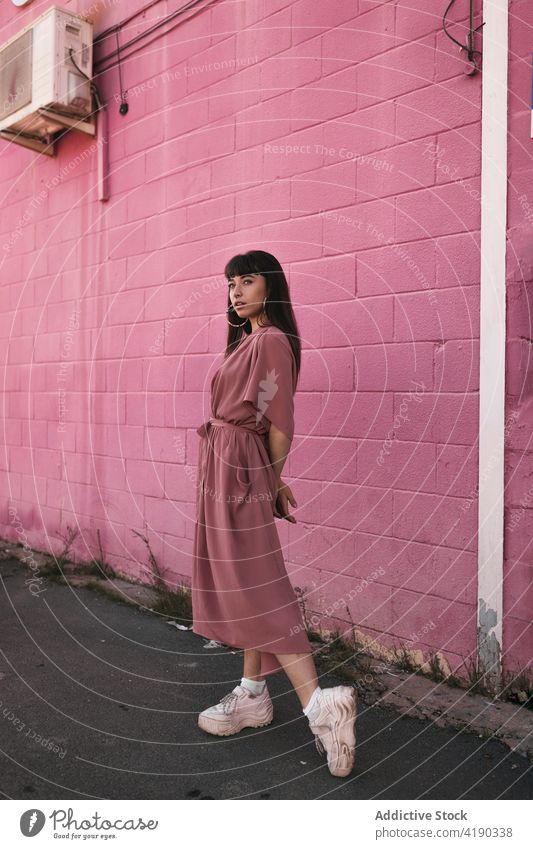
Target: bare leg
[252,665]
[301,672]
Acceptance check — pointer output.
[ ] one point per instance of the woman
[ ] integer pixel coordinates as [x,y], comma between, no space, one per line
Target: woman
[241,593]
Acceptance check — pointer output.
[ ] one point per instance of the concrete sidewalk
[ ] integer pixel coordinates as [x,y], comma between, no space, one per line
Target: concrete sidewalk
[100,700]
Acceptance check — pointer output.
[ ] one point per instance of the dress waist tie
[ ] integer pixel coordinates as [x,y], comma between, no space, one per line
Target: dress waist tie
[203,431]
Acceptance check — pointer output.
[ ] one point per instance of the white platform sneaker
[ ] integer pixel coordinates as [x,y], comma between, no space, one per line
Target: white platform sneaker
[237,710]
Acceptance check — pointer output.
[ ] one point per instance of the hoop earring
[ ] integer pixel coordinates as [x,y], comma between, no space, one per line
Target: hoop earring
[263,313]
[230,322]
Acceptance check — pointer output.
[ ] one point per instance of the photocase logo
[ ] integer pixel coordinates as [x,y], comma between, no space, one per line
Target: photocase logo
[31,822]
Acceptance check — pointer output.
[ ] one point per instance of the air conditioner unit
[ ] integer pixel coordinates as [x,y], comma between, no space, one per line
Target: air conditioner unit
[42,91]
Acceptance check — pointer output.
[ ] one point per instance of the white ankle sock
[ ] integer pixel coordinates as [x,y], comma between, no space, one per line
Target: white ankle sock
[256,687]
[311,709]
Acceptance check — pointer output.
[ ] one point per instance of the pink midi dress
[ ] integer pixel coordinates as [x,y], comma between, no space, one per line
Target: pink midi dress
[241,593]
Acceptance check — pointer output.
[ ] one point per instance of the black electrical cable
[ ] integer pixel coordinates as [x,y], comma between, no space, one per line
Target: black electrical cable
[143,35]
[94,89]
[122,24]
[469,47]
[123,109]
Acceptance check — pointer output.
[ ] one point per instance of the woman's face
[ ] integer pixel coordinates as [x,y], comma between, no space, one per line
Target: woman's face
[247,294]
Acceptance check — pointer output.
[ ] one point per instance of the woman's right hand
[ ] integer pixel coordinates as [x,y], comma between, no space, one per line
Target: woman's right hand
[284,496]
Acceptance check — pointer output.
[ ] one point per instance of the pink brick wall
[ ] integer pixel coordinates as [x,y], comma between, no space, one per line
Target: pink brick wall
[344,138]
[518,547]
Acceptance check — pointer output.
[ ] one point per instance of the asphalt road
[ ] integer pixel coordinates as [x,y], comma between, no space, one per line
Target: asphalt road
[99,700]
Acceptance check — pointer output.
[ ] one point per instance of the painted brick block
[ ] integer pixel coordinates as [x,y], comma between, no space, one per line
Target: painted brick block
[145,477]
[268,200]
[293,153]
[434,519]
[519,367]
[211,65]
[331,278]
[435,109]
[328,369]
[364,132]
[437,211]
[421,567]
[518,591]
[450,314]
[457,470]
[403,69]
[396,268]
[399,169]
[272,34]
[365,508]
[517,642]
[325,188]
[238,91]
[345,600]
[323,457]
[364,225]
[519,480]
[394,367]
[367,35]
[294,68]
[457,366]
[182,116]
[322,548]
[352,414]
[439,417]
[233,172]
[210,217]
[331,97]
[415,19]
[458,260]
[141,411]
[121,375]
[163,514]
[393,464]
[457,154]
[417,615]
[299,238]
[310,19]
[358,322]
[127,241]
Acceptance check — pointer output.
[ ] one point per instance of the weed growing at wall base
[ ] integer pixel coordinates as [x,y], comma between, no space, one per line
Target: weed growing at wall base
[36,581]
[416,636]
[341,602]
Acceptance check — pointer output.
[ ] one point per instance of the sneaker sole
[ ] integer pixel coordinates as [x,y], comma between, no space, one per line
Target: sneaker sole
[213,727]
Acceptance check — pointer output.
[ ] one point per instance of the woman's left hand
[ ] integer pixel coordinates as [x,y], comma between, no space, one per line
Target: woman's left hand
[284,496]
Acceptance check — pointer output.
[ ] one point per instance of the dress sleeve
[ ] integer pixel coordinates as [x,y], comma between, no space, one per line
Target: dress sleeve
[271,383]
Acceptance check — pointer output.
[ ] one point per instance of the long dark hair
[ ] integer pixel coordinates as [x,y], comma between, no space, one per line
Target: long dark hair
[278,307]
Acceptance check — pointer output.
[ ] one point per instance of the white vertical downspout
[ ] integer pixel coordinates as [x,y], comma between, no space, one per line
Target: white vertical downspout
[492,341]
